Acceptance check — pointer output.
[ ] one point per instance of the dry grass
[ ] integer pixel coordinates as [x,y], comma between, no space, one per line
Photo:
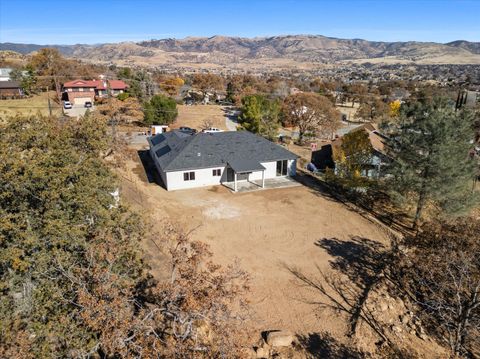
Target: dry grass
[195,116]
[29,106]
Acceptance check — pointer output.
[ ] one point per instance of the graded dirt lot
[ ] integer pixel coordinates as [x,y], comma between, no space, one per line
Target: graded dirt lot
[267,231]
[195,116]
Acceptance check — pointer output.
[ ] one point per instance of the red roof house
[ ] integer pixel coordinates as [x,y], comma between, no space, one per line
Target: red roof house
[81,91]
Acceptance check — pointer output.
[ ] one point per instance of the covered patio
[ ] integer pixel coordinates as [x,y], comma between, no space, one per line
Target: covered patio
[256,185]
[239,170]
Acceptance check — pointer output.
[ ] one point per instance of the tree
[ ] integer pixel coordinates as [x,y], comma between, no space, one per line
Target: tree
[49,63]
[123,111]
[172,85]
[311,113]
[141,84]
[160,110]
[430,146]
[260,115]
[26,78]
[72,277]
[208,82]
[230,92]
[394,107]
[354,154]
[372,110]
[441,271]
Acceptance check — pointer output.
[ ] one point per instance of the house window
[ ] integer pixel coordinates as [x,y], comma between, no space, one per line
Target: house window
[217,173]
[282,167]
[189,176]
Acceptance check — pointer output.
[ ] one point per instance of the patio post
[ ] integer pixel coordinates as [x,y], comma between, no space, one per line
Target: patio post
[263,179]
[235,182]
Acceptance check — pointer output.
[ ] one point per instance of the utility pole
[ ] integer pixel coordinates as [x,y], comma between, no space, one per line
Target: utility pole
[49,103]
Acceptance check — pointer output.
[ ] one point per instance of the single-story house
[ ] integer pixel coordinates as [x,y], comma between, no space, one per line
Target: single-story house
[186,160]
[324,157]
[81,91]
[10,89]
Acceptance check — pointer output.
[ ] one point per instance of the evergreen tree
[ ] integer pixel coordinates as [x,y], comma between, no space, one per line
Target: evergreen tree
[160,110]
[430,146]
[260,115]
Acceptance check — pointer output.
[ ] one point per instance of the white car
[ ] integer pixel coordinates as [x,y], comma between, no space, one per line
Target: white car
[67,105]
[212,130]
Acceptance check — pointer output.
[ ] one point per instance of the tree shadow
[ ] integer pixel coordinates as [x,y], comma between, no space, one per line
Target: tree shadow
[372,204]
[359,265]
[323,345]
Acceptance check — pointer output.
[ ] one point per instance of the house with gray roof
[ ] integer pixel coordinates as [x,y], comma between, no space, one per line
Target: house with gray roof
[187,160]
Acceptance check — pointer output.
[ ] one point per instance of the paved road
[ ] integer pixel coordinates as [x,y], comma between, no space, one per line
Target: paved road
[231,119]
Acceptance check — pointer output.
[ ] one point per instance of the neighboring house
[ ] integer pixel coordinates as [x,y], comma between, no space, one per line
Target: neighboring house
[81,91]
[10,89]
[324,157]
[5,73]
[186,160]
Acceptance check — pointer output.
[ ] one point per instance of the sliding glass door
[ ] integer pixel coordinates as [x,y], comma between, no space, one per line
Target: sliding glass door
[282,168]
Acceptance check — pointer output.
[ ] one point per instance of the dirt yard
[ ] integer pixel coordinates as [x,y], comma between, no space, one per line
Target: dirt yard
[267,231]
[196,116]
[270,232]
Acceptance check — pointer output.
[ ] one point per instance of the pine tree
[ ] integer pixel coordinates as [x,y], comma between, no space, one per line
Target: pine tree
[430,145]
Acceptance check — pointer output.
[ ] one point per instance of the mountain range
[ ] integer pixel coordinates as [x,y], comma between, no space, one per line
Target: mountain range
[279,51]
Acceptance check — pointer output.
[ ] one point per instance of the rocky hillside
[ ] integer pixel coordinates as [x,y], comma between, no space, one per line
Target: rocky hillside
[222,50]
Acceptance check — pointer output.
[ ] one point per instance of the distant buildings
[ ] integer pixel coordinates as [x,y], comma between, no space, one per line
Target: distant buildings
[10,89]
[325,157]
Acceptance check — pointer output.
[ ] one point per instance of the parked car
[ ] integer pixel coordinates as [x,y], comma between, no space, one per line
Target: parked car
[212,130]
[88,104]
[187,129]
[67,105]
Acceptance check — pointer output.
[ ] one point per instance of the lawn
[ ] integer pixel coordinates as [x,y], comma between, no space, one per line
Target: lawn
[29,106]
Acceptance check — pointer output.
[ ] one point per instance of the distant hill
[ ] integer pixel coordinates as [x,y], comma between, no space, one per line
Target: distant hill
[266,51]
[473,47]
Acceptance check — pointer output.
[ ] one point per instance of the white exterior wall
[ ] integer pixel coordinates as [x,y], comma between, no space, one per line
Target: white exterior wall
[270,171]
[203,177]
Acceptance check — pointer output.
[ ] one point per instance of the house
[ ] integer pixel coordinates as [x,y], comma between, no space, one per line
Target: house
[10,89]
[188,160]
[81,91]
[324,157]
[5,73]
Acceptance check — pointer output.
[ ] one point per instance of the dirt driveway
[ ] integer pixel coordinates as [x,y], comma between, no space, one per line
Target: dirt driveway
[267,231]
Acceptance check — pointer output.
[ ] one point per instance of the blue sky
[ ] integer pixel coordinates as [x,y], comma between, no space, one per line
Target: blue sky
[87,21]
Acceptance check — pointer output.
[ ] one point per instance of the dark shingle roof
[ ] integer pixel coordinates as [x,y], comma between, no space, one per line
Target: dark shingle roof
[9,85]
[177,151]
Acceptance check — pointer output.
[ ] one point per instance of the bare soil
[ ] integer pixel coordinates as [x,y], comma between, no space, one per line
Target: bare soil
[196,116]
[268,232]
